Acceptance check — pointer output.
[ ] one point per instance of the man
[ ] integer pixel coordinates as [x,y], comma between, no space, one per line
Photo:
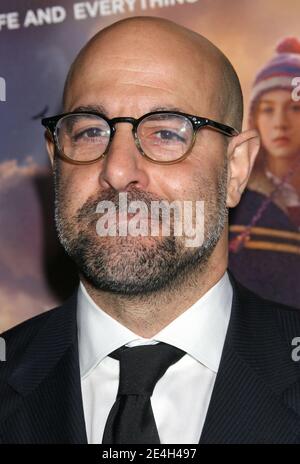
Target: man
[160,344]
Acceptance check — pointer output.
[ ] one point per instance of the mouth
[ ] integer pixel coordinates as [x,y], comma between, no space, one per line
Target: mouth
[124,219]
[125,216]
[281,140]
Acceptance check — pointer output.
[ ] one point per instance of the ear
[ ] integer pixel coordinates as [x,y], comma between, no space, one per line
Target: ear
[50,146]
[241,153]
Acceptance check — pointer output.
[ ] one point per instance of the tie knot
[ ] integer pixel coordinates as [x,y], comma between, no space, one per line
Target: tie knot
[142,366]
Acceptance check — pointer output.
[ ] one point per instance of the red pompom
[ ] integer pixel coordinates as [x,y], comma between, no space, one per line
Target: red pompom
[289,45]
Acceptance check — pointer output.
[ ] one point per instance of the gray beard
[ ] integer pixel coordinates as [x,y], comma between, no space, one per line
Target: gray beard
[133,266]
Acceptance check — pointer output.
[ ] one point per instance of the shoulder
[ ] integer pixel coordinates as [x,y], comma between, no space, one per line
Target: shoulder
[264,317]
[33,322]
[21,336]
[265,335]
[271,215]
[248,297]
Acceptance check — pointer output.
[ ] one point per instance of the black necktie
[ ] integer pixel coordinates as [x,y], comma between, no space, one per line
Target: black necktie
[131,419]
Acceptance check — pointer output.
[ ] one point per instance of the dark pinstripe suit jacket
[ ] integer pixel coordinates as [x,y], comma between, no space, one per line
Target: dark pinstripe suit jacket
[256,397]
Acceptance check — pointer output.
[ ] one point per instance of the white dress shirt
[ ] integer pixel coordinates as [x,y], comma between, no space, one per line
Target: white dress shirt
[181,396]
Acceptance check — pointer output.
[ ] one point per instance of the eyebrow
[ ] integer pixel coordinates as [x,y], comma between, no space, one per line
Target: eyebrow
[167,108]
[95,108]
[101,109]
[267,101]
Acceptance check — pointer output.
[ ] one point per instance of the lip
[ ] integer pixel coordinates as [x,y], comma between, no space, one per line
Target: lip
[281,140]
[126,217]
[118,221]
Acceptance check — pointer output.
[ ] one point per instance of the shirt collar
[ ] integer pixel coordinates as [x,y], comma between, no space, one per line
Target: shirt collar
[199,331]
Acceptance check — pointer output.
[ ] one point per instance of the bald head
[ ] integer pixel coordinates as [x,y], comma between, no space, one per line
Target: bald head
[156,43]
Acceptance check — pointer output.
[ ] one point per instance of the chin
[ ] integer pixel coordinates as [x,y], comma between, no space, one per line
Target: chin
[283,153]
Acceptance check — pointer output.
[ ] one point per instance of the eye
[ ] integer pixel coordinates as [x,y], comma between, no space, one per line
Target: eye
[266,109]
[169,136]
[295,107]
[90,134]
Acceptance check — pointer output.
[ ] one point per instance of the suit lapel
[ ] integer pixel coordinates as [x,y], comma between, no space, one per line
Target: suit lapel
[44,400]
[253,396]
[244,410]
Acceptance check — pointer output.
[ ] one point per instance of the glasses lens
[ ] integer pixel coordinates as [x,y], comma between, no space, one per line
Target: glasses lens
[165,136]
[82,137]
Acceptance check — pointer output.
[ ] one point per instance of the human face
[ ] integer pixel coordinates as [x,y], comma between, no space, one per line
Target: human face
[278,121]
[132,83]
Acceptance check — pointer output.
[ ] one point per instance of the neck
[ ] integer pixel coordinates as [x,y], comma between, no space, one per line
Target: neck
[280,167]
[146,315]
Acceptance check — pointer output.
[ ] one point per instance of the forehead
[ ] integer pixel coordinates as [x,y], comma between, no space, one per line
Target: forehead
[277,96]
[142,72]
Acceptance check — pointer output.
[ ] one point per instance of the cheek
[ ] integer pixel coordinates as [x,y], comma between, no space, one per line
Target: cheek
[179,181]
[295,129]
[264,127]
[295,143]
[195,183]
[263,124]
[76,185]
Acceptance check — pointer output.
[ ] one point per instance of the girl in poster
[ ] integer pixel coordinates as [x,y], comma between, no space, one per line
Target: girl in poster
[264,231]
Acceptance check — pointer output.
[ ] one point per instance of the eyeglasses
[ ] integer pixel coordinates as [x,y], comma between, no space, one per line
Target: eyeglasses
[163,137]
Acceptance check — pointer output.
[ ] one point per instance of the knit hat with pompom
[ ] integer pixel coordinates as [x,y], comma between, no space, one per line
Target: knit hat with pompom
[279,72]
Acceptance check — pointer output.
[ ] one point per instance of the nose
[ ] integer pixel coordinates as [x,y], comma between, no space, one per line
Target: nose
[123,164]
[280,119]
